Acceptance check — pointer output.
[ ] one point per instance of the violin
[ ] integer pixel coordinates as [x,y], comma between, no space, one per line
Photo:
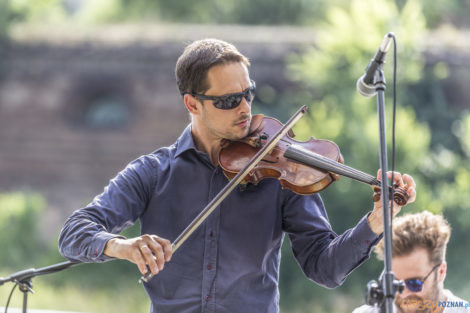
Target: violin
[270,151]
[303,167]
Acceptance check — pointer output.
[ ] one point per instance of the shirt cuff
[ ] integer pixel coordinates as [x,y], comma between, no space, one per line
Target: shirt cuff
[98,245]
[366,239]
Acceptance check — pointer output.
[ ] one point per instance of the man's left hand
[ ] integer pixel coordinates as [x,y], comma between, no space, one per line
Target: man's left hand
[405,181]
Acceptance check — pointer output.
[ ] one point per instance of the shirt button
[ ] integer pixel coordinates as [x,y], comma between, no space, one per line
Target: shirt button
[207,298]
[211,234]
[209,266]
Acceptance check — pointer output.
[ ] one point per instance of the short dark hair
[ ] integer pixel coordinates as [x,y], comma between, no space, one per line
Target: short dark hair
[420,230]
[198,57]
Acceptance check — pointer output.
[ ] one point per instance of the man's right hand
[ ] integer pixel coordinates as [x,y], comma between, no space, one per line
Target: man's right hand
[145,250]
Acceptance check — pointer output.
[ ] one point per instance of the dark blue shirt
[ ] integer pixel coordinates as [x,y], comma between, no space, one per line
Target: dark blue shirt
[231,262]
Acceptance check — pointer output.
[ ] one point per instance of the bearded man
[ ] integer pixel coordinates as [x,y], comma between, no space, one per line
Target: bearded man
[419,246]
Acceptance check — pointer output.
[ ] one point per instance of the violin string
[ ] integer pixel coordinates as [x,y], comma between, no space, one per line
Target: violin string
[335,166]
[351,171]
[354,172]
[339,168]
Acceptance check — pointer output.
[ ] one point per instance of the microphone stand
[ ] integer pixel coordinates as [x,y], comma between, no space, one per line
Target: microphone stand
[382,294]
[24,278]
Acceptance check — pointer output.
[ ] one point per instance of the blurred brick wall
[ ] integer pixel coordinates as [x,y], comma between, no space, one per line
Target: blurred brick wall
[47,89]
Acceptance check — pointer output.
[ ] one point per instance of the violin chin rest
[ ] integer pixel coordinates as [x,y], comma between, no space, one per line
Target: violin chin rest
[256,124]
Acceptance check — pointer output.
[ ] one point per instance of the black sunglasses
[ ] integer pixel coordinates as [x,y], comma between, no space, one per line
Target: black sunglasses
[416,284]
[230,101]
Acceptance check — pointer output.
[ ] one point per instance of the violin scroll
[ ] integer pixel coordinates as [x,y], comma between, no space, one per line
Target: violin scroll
[400,196]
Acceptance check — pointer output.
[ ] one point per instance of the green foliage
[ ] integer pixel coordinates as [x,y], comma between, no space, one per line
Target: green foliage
[19,220]
[443,11]
[37,10]
[260,12]
[4,19]
[84,287]
[204,11]
[426,149]
[280,12]
[73,297]
[328,73]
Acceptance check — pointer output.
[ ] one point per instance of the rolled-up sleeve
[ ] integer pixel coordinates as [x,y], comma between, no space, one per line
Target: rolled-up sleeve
[324,256]
[86,232]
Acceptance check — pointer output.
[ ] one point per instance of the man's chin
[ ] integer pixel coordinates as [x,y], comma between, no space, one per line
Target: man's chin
[237,134]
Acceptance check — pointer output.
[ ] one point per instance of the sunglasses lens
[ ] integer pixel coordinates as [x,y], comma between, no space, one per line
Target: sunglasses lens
[249,95]
[232,101]
[227,103]
[220,104]
[414,285]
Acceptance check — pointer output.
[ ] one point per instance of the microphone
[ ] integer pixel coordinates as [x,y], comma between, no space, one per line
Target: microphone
[365,83]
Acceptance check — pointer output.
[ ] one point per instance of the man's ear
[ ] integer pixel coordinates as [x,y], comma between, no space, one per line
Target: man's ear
[442,272]
[191,104]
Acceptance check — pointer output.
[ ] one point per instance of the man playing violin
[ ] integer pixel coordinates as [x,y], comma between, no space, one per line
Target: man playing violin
[231,262]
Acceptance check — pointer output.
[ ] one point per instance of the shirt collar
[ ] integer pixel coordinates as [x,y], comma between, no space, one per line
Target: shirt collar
[185,141]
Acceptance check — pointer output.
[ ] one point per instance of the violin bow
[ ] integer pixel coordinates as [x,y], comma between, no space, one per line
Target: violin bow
[202,216]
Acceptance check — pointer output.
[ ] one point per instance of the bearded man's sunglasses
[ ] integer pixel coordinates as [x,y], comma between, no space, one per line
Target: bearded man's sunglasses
[229,101]
[416,284]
